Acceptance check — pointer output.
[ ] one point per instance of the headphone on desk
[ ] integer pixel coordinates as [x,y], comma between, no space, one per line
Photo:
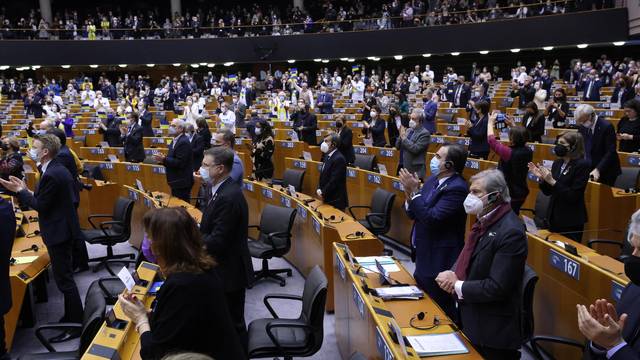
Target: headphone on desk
[436,321]
[355,235]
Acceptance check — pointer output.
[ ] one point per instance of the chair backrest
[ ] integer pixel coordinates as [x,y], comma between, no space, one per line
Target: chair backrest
[382,202]
[541,217]
[529,280]
[92,172]
[293,177]
[82,139]
[123,211]
[94,311]
[365,162]
[628,179]
[314,297]
[277,219]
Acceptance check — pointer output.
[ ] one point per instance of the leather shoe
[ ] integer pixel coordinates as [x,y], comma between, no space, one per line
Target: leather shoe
[80,268]
[65,336]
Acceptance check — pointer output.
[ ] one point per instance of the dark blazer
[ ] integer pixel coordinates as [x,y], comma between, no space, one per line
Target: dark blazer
[7,235]
[346,144]
[535,128]
[309,126]
[179,163]
[629,304]
[439,225]
[595,90]
[186,304]
[112,134]
[205,134]
[465,95]
[478,133]
[224,229]
[632,128]
[145,121]
[53,201]
[566,206]
[333,181]
[327,103]
[557,120]
[604,155]
[66,159]
[525,94]
[491,308]
[133,146]
[197,148]
[622,95]
[377,132]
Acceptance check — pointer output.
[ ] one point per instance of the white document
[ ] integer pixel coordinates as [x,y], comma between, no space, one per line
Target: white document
[306,155]
[126,278]
[139,185]
[25,259]
[104,144]
[382,169]
[113,158]
[437,344]
[530,224]
[369,263]
[399,292]
[368,142]
[292,190]
[294,135]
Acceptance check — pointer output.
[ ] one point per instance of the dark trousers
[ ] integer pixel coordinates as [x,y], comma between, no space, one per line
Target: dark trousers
[441,297]
[3,346]
[62,268]
[235,302]
[516,205]
[182,194]
[498,354]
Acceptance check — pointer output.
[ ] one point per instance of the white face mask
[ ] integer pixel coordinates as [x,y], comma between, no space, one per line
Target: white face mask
[473,205]
[34,154]
[258,131]
[324,147]
[204,173]
[373,114]
[412,124]
[398,123]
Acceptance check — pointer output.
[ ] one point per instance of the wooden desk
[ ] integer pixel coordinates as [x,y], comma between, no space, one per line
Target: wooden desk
[124,344]
[21,275]
[361,319]
[99,200]
[313,236]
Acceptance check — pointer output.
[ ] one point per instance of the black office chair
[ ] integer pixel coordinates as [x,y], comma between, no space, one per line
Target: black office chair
[378,220]
[274,240]
[94,311]
[293,177]
[541,211]
[301,337]
[624,246]
[92,172]
[110,233]
[365,162]
[628,179]
[82,139]
[448,118]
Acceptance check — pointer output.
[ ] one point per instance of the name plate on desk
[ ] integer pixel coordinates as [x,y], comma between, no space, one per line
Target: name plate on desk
[285,201]
[386,153]
[472,164]
[288,144]
[106,166]
[248,186]
[532,147]
[633,160]
[564,264]
[133,168]
[316,225]
[360,150]
[397,185]
[341,268]
[97,151]
[288,123]
[267,193]
[300,164]
[374,179]
[157,140]
[437,140]
[158,170]
[382,346]
[463,142]
[302,212]
[133,195]
[357,299]
[616,290]
[88,132]
[351,173]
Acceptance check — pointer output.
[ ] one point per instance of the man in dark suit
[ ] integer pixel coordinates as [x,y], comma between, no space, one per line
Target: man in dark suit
[461,93]
[146,119]
[439,219]
[325,101]
[110,130]
[487,276]
[346,139]
[332,188]
[613,330]
[131,137]
[58,221]
[307,124]
[197,146]
[591,87]
[178,162]
[7,235]
[599,145]
[224,229]
[525,93]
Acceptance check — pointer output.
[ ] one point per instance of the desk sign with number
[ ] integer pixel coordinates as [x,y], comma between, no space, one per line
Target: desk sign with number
[383,347]
[565,264]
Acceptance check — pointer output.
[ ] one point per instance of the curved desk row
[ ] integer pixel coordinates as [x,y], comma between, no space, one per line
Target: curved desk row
[314,232]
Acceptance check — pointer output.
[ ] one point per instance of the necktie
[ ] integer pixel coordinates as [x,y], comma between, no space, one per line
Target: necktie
[457,97]
[588,90]
[587,144]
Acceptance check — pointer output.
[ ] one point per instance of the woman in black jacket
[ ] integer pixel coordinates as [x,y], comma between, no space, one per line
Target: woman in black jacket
[566,184]
[346,139]
[262,151]
[533,121]
[204,132]
[478,146]
[191,312]
[11,163]
[557,109]
[628,133]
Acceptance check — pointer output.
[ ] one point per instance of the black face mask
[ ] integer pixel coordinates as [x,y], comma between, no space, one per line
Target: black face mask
[632,269]
[560,150]
[4,147]
[338,125]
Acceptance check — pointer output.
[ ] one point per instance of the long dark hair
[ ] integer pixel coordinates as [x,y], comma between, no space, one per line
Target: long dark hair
[266,130]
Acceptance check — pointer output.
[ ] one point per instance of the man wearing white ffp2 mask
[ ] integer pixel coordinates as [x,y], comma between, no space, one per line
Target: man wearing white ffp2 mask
[486,277]
[332,188]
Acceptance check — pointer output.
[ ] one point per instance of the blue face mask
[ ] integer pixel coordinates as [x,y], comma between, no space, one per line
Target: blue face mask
[434,166]
[204,173]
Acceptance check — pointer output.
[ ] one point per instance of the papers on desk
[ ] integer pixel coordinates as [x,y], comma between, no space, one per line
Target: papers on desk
[399,292]
[369,263]
[25,259]
[437,344]
[126,278]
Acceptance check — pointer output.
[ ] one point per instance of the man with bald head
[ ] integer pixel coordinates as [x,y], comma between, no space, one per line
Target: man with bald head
[178,161]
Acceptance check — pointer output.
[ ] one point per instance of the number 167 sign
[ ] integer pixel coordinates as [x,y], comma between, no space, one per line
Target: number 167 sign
[565,264]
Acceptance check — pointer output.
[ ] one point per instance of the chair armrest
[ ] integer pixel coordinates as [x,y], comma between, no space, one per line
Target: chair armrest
[94,216]
[283,323]
[105,225]
[270,236]
[278,296]
[357,207]
[604,241]
[552,339]
[118,261]
[56,326]
[372,215]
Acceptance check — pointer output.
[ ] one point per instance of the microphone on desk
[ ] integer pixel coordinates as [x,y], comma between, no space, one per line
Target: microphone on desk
[396,282]
[570,248]
[33,248]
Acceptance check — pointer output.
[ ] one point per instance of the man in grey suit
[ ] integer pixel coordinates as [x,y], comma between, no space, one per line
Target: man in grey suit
[413,143]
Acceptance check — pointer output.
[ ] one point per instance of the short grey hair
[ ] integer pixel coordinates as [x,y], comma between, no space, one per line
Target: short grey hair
[634,225]
[179,123]
[493,181]
[419,113]
[51,143]
[583,109]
